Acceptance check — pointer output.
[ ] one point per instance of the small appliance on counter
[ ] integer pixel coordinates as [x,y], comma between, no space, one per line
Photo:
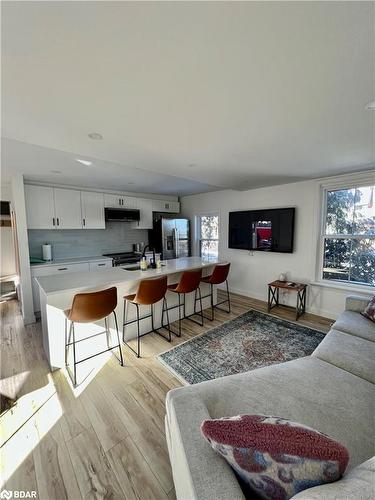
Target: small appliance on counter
[138,247]
[47,252]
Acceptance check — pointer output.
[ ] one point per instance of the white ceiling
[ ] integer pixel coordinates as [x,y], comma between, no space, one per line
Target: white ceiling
[189,96]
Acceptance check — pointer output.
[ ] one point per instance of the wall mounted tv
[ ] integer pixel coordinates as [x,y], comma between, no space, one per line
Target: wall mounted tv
[263,230]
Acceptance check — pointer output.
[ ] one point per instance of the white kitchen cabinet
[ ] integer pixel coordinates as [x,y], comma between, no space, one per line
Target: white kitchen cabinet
[40,207]
[165,206]
[68,208]
[92,210]
[145,208]
[119,201]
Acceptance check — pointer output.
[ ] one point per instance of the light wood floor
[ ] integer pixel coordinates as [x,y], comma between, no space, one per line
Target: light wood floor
[104,442]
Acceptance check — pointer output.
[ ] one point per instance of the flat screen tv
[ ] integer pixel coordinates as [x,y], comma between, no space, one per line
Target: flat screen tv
[269,230]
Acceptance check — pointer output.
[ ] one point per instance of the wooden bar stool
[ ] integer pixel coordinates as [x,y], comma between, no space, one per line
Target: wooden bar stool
[189,282]
[89,308]
[218,276]
[149,292]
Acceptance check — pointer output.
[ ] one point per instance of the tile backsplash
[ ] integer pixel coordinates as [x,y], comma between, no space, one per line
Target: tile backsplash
[116,237]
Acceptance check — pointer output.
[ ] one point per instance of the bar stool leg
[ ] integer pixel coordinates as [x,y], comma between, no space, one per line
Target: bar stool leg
[138,334]
[74,356]
[107,334]
[212,302]
[152,319]
[179,314]
[165,310]
[229,304]
[200,300]
[118,339]
[67,340]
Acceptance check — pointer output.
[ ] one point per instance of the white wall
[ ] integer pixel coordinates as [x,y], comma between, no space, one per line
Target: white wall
[251,273]
[25,290]
[7,252]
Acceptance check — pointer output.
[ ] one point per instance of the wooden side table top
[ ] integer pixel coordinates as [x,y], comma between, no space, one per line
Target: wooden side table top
[288,286]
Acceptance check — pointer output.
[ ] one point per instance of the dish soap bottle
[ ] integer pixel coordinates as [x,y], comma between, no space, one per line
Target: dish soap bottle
[143,264]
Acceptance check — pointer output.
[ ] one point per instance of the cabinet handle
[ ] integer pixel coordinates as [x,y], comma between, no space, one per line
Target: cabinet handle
[101,265]
[62,269]
[119,201]
[53,220]
[84,222]
[58,223]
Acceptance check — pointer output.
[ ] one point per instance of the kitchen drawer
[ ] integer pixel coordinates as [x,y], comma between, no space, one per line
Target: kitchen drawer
[100,264]
[61,268]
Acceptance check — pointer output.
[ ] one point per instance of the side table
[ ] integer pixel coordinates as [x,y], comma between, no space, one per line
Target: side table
[273,295]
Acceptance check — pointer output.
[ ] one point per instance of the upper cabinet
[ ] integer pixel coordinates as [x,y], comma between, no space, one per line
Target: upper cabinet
[145,208]
[58,208]
[166,206]
[92,210]
[68,208]
[119,201]
[40,207]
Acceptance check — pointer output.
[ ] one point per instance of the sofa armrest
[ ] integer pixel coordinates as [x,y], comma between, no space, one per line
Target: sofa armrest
[199,473]
[356,303]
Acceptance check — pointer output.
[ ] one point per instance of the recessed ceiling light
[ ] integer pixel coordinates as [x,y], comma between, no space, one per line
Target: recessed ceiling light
[56,172]
[371,106]
[84,162]
[95,136]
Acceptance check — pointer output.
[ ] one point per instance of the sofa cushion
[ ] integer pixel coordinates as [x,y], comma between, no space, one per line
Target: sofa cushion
[355,324]
[356,303]
[369,311]
[306,390]
[350,353]
[359,483]
[273,456]
[195,466]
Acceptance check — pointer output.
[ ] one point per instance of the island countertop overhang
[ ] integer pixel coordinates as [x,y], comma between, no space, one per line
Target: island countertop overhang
[84,281]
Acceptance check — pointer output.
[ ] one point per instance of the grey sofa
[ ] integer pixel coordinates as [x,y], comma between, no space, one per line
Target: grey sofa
[333,391]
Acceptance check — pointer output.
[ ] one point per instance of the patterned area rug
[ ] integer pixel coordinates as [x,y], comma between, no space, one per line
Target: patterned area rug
[250,341]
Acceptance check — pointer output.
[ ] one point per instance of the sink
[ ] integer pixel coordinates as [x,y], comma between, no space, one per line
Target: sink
[131,268]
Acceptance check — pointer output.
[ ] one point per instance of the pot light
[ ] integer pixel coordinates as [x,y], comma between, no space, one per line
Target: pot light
[84,162]
[95,136]
[371,106]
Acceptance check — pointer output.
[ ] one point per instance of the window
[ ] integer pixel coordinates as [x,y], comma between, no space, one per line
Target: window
[348,240]
[208,236]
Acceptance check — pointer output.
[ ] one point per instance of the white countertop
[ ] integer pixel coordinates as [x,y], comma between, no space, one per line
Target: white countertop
[75,282]
[71,260]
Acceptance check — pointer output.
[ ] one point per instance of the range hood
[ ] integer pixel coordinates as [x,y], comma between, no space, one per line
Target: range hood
[121,215]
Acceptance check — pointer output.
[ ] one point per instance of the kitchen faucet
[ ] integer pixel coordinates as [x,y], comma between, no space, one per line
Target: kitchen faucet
[153,260]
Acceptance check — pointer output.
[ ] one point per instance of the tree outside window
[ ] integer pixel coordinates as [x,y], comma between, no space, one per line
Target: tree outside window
[208,226]
[349,236]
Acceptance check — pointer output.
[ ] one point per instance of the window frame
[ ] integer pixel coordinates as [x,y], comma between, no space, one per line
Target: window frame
[198,238]
[351,181]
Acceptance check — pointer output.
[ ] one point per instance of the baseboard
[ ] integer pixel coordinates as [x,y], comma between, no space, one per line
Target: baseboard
[262,296]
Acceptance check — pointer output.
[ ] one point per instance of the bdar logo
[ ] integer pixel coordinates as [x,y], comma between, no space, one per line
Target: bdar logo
[5,494]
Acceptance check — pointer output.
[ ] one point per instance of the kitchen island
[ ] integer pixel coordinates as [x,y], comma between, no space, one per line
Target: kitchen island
[57,292]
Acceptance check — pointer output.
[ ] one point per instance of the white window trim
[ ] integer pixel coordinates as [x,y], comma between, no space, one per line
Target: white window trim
[330,184]
[198,228]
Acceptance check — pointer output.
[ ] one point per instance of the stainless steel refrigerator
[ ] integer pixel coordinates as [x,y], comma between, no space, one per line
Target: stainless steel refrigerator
[170,237]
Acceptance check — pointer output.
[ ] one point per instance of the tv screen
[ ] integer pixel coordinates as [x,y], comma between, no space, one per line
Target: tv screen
[262,230]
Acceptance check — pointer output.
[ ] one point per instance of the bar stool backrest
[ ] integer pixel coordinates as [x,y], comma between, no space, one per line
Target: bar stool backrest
[93,306]
[220,273]
[189,281]
[151,291]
